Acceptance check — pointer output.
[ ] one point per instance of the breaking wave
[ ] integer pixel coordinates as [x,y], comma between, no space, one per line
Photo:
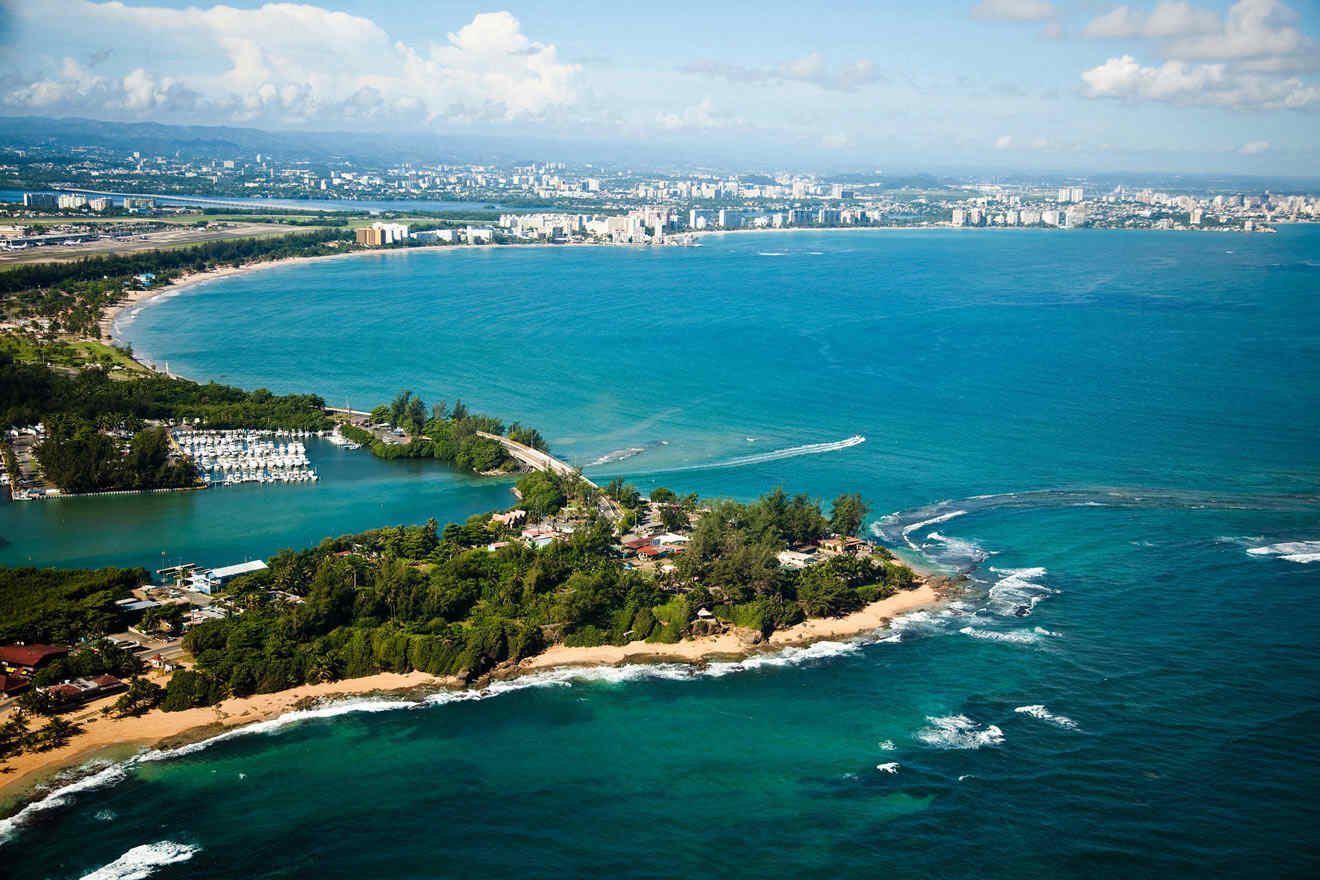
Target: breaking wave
[958,732]
[1017,593]
[1043,714]
[141,862]
[907,530]
[95,776]
[895,526]
[1303,552]
[1016,637]
[103,775]
[891,767]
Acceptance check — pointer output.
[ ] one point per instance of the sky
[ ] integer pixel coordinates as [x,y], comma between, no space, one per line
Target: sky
[1184,86]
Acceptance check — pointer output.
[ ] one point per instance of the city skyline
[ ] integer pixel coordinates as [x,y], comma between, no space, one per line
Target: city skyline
[997,84]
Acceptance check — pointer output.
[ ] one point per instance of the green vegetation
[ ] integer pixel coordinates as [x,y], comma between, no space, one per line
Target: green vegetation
[442,601]
[542,494]
[406,598]
[30,393]
[847,513]
[97,658]
[97,436]
[63,605]
[15,737]
[449,435]
[79,458]
[142,695]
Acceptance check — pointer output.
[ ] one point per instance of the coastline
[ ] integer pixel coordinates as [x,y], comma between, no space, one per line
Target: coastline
[103,735]
[106,322]
[739,643]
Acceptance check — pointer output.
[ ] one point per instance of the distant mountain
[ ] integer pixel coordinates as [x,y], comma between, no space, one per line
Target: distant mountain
[222,141]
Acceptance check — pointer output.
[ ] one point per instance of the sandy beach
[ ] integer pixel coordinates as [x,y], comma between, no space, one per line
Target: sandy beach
[103,735]
[739,642]
[170,729]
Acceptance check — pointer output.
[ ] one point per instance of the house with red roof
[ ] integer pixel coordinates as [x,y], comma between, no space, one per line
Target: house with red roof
[30,657]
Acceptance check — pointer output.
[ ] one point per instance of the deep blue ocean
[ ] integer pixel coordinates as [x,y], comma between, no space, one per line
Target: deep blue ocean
[1113,434]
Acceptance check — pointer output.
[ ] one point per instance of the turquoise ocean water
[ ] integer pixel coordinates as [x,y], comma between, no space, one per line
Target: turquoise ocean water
[1114,434]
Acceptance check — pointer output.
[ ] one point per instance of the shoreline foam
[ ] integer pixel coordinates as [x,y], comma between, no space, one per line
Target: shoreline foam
[171,733]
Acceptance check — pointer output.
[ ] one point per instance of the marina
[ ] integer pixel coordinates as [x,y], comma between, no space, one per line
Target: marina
[235,456]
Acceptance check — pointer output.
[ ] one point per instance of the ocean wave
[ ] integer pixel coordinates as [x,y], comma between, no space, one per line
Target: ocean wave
[329,710]
[958,732]
[105,816]
[101,775]
[94,776]
[960,550]
[891,767]
[887,745]
[1016,593]
[141,862]
[891,528]
[1043,714]
[907,530]
[1303,552]
[1016,637]
[770,253]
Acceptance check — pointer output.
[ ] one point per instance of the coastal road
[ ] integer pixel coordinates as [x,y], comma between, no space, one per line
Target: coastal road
[544,461]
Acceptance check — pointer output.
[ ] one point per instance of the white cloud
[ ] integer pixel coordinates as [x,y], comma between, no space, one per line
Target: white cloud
[810,68]
[285,62]
[1179,19]
[836,141]
[1122,21]
[1213,84]
[1255,148]
[1252,28]
[1014,10]
[1003,142]
[1248,59]
[701,115]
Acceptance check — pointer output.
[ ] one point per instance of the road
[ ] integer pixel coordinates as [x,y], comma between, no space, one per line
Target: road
[544,461]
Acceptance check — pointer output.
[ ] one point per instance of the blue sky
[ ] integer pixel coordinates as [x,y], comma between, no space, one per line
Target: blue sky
[1085,85]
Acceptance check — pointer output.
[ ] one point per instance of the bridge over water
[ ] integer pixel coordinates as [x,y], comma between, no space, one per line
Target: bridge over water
[536,459]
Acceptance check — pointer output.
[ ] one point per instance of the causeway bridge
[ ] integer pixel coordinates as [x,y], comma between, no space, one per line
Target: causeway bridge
[536,459]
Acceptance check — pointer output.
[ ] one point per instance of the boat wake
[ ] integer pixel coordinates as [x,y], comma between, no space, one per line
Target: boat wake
[776,455]
[1303,552]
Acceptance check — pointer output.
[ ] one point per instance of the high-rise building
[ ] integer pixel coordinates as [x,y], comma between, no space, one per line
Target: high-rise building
[40,201]
[71,201]
[959,217]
